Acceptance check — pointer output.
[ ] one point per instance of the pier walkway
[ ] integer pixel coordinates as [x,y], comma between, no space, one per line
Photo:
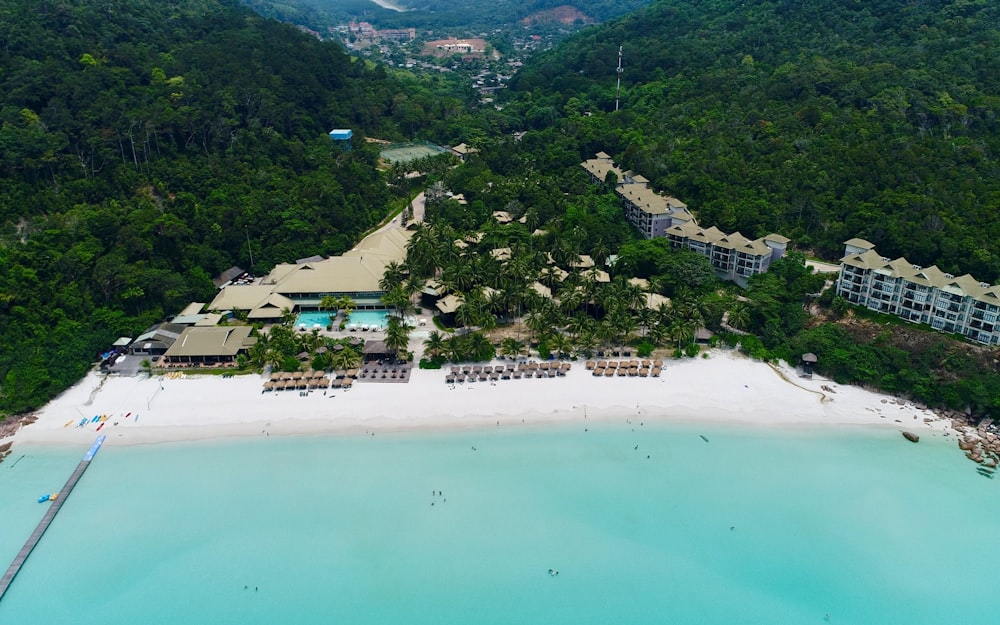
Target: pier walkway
[50,514]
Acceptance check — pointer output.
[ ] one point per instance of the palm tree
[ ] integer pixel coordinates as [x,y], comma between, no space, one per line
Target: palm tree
[399,301]
[600,253]
[329,302]
[561,344]
[392,277]
[647,318]
[311,340]
[397,335]
[346,358]
[468,313]
[480,348]
[434,344]
[578,323]
[511,347]
[681,332]
[622,324]
[458,276]
[258,352]
[739,316]
[346,305]
[455,348]
[287,317]
[587,341]
[537,321]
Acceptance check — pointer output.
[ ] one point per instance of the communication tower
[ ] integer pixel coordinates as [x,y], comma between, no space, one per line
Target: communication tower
[618,91]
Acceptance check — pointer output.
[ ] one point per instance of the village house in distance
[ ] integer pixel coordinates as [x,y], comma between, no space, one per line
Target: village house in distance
[961,305]
[733,256]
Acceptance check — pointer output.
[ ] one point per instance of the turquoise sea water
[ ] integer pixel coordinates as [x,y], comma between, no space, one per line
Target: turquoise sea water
[754,526]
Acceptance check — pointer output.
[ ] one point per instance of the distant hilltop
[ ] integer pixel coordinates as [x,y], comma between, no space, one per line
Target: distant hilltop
[564,14]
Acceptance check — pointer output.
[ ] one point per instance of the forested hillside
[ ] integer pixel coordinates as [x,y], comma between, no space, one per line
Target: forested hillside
[819,119]
[142,143]
[471,15]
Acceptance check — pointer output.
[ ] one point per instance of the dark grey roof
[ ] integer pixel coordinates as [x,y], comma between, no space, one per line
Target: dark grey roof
[227,276]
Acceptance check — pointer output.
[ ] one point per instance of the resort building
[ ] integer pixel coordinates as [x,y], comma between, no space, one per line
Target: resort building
[462,151]
[961,305]
[302,286]
[650,212]
[156,340]
[733,256]
[209,345]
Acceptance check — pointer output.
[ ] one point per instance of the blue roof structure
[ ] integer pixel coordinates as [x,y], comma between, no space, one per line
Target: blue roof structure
[341,134]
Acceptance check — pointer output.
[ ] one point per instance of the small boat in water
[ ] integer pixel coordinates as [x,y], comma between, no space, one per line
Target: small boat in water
[49,497]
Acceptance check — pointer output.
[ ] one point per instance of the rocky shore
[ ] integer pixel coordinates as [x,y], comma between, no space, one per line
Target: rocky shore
[979,441]
[9,427]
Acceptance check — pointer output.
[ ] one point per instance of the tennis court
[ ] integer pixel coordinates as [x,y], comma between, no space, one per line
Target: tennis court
[406,152]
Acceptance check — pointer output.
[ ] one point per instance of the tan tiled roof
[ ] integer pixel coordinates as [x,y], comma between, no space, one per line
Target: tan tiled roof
[542,290]
[856,242]
[449,303]
[213,341]
[600,166]
[965,285]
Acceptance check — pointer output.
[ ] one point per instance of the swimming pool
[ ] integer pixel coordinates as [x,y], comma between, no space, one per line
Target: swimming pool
[314,317]
[370,318]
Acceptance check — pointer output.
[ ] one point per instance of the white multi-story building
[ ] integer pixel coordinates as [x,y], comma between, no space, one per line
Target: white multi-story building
[961,305]
[733,256]
[650,212]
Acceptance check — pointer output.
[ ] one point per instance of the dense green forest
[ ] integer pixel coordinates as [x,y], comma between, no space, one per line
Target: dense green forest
[146,146]
[143,143]
[471,15]
[821,119]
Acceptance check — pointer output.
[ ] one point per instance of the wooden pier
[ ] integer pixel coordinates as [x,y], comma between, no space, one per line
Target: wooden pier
[50,514]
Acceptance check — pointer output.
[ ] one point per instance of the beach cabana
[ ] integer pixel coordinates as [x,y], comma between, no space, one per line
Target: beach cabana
[808,364]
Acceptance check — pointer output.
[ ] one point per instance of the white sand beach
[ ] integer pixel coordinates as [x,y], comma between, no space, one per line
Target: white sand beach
[724,387]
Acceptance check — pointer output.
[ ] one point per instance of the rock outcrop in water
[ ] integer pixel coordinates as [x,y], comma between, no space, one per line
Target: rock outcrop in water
[910,436]
[980,443]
